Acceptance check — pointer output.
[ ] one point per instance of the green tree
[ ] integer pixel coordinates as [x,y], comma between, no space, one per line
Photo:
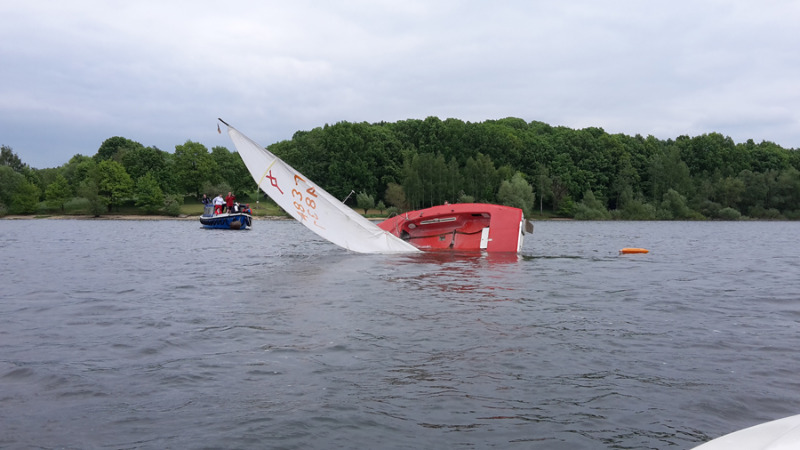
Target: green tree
[365,201]
[114,148]
[78,169]
[544,185]
[480,178]
[787,190]
[755,191]
[395,196]
[516,192]
[25,198]
[425,181]
[626,179]
[560,192]
[668,171]
[194,166]
[140,161]
[172,204]
[232,170]
[767,156]
[451,181]
[729,191]
[707,153]
[729,214]
[633,207]
[113,183]
[674,206]
[10,159]
[149,196]
[58,193]
[44,177]
[9,181]
[591,208]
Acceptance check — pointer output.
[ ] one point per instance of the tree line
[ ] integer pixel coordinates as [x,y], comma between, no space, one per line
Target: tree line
[121,172]
[584,173]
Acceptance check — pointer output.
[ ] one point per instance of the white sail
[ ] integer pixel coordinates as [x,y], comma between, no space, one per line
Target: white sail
[311,205]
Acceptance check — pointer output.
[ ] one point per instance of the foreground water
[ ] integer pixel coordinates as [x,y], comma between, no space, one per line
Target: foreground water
[159,334]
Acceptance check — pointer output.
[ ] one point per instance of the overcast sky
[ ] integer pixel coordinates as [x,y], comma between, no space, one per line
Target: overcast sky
[75,73]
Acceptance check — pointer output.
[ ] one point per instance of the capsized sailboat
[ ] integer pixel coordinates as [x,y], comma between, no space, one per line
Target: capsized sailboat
[462,226]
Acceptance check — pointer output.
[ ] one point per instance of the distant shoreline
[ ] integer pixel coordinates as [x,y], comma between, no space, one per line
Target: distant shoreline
[121,217]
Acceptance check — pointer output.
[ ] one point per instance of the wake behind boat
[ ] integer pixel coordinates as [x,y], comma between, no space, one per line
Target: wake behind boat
[238,219]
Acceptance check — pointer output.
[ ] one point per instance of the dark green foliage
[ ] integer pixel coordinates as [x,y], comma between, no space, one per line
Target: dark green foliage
[516,192]
[590,208]
[9,180]
[633,208]
[148,194]
[140,161]
[10,159]
[673,206]
[113,182]
[58,193]
[115,148]
[418,163]
[172,204]
[193,166]
[232,171]
[25,198]
[88,190]
[729,214]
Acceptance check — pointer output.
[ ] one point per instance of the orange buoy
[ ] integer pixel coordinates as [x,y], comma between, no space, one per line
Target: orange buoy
[633,250]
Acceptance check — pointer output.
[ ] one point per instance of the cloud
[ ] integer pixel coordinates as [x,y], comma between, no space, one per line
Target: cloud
[77,73]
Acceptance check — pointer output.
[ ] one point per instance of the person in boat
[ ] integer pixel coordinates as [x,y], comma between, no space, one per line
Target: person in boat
[206,201]
[219,203]
[229,201]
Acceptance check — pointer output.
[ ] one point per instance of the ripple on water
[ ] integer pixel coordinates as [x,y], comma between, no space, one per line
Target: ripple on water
[239,339]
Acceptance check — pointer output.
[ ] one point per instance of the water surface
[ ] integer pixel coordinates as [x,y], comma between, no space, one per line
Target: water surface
[160,334]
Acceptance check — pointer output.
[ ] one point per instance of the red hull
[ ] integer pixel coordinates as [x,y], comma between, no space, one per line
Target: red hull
[461,226]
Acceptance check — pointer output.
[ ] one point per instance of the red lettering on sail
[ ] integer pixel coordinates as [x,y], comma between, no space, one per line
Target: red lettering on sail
[274,182]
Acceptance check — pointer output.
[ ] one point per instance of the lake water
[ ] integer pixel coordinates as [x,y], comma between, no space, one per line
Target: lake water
[160,334]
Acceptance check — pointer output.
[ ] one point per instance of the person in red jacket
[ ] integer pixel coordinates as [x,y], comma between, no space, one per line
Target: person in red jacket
[229,202]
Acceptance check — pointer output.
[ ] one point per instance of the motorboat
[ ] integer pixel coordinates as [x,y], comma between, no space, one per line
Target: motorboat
[240,218]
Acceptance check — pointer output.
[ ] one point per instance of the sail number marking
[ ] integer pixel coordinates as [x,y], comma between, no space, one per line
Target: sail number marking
[306,206]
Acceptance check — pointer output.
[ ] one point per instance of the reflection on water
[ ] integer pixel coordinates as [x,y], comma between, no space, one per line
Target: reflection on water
[482,275]
[161,334]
